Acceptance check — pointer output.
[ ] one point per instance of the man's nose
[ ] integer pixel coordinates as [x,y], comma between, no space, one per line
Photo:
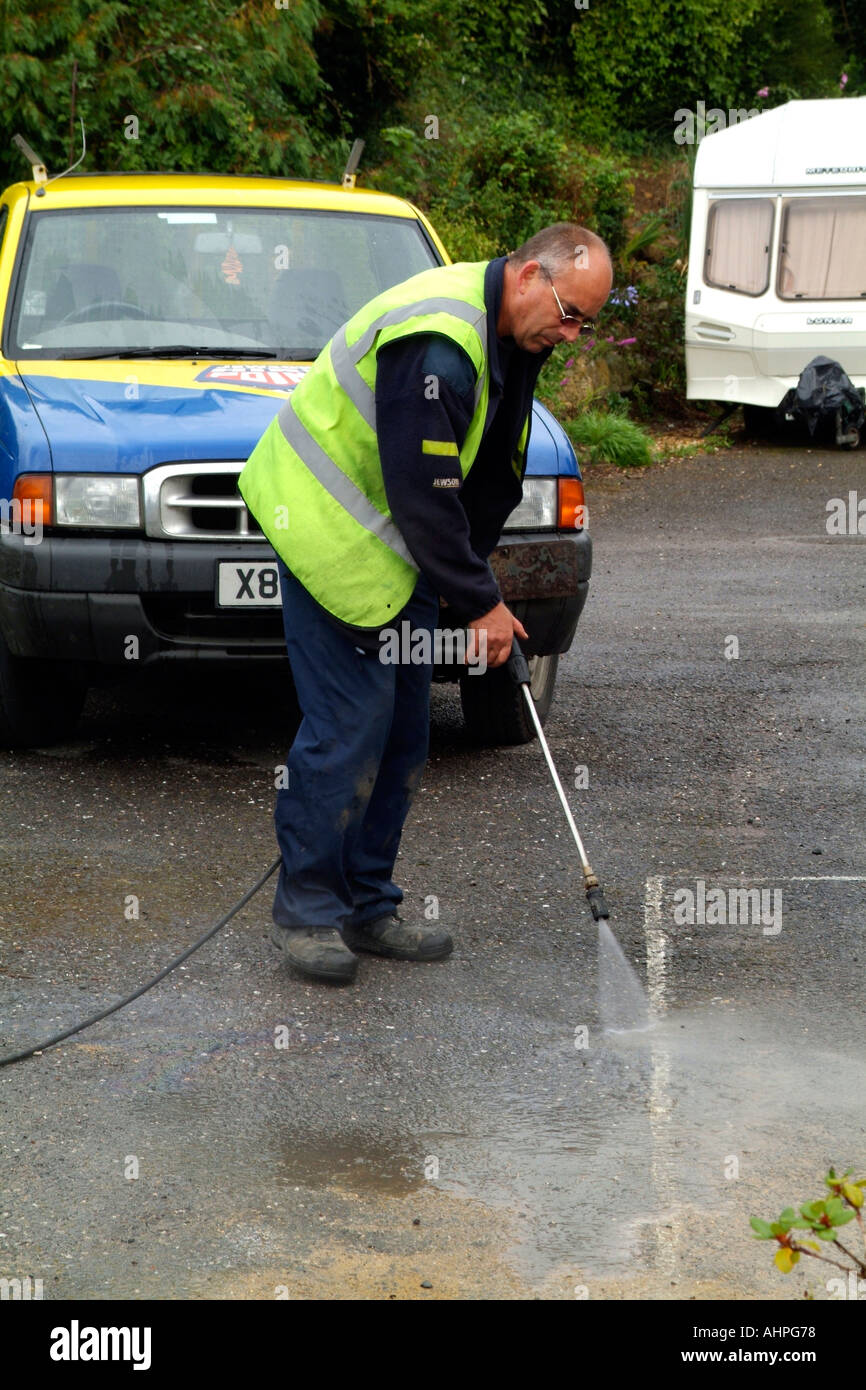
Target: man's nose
[569,331]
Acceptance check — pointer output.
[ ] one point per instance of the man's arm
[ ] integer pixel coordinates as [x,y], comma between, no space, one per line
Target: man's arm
[424,404]
[425,389]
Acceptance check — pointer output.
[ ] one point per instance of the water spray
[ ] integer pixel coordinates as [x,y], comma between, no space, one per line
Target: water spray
[623,1003]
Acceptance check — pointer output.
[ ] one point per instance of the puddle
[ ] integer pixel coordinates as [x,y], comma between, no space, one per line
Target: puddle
[654,1135]
[357,1163]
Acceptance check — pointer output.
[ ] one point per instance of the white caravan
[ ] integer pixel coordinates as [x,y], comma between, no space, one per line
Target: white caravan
[777,261]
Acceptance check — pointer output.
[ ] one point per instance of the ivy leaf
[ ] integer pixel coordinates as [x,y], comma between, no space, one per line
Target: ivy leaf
[762,1229]
[854,1193]
[786,1259]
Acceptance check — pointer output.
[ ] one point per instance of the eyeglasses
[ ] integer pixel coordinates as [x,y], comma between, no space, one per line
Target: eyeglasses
[587,326]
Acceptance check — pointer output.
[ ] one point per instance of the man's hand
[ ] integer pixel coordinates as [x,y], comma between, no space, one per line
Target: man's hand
[499,626]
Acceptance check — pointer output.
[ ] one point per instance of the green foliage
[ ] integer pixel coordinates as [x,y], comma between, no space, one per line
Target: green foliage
[659,324]
[541,110]
[822,1218]
[501,29]
[280,86]
[791,49]
[611,439]
[517,178]
[605,194]
[218,87]
[645,237]
[464,238]
[371,54]
[642,62]
[403,153]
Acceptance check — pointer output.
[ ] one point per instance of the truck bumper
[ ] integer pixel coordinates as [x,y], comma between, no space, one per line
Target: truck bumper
[81,598]
[544,579]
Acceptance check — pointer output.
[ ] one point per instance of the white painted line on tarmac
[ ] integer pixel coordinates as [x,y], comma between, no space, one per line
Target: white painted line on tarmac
[655,933]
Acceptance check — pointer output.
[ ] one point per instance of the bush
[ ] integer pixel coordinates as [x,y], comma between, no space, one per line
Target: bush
[611,439]
[842,1202]
[606,194]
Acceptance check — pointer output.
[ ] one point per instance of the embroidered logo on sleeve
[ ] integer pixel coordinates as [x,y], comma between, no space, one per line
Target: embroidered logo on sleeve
[446,482]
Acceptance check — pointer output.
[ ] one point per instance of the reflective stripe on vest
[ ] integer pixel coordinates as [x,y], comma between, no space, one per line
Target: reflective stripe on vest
[341,487]
[314,481]
[345,359]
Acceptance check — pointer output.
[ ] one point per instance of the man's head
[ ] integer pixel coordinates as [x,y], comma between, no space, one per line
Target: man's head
[563,269]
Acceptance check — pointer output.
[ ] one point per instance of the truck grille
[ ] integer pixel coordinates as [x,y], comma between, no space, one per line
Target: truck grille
[192,619]
[197,501]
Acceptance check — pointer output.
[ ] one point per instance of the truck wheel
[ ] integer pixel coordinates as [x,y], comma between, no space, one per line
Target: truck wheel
[494,706]
[40,701]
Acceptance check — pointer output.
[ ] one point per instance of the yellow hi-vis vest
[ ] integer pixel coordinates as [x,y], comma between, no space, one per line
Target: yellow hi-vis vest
[314,480]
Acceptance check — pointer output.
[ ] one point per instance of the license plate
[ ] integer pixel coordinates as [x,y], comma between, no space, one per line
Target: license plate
[247,585]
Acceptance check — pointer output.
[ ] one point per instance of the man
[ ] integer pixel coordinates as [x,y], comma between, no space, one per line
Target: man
[382,485]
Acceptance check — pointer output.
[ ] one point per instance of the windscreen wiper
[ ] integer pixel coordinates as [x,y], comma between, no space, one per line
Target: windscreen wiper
[240,354]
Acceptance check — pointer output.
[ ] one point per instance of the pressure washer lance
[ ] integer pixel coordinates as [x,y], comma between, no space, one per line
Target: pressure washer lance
[520,671]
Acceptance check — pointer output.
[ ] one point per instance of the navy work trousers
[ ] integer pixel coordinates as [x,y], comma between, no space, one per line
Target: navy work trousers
[357,758]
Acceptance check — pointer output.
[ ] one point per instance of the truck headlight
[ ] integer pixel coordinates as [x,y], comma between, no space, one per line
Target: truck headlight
[96,499]
[538,511]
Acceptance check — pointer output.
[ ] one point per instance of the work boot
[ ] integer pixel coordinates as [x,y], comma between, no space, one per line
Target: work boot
[391,936]
[319,952]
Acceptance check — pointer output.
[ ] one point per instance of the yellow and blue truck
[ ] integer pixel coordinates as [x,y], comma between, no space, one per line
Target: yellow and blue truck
[152,326]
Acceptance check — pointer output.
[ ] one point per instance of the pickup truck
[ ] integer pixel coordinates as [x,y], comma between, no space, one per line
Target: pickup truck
[152,326]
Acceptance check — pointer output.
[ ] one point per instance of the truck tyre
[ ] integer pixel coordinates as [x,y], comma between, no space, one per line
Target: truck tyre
[494,706]
[40,701]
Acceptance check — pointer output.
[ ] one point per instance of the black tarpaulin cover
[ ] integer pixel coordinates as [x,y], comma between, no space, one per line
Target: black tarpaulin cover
[823,388]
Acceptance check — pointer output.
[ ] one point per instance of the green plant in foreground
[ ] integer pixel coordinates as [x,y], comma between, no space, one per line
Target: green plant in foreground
[611,439]
[822,1218]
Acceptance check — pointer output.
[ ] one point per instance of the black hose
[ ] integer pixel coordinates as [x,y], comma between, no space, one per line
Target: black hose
[59,1037]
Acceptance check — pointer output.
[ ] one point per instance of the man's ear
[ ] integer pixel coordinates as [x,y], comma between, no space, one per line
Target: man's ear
[527,273]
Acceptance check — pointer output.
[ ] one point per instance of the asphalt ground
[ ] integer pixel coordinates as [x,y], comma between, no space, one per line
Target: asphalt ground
[469,1130]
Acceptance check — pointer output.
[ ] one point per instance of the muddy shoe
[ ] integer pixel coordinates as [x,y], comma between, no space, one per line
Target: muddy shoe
[391,936]
[319,952]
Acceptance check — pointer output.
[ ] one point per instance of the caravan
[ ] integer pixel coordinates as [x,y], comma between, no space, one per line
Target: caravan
[777,260]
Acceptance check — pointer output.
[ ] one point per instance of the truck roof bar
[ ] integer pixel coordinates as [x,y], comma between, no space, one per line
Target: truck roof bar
[352,164]
[40,173]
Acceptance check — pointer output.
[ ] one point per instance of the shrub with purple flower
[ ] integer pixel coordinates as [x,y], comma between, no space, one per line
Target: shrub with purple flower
[626,298]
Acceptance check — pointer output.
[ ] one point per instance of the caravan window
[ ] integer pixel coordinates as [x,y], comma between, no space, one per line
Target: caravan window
[739,233]
[823,252]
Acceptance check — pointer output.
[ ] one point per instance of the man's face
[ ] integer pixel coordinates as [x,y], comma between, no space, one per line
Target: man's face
[536,320]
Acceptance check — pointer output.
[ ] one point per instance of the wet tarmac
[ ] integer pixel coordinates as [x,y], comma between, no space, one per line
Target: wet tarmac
[470,1129]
